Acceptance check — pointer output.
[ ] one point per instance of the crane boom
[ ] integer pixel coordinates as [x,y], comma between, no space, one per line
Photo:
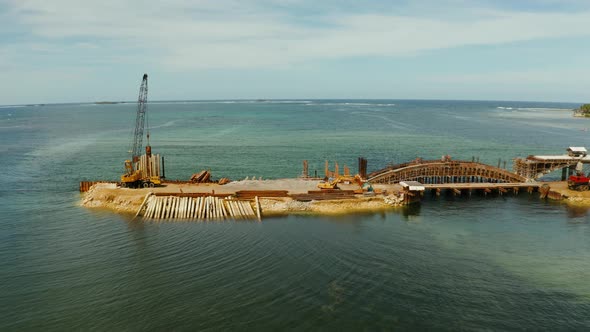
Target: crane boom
[136,149]
[142,170]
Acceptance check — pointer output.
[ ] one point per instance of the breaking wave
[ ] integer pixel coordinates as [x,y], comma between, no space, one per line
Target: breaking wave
[533,108]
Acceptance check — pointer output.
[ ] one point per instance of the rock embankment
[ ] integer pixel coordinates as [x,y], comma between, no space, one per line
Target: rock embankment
[572,197]
[285,206]
[117,199]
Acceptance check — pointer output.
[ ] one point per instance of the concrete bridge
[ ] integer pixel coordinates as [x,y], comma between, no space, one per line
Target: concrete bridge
[438,172]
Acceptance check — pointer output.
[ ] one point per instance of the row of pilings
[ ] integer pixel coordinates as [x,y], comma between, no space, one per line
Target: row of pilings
[456,179]
[206,208]
[544,190]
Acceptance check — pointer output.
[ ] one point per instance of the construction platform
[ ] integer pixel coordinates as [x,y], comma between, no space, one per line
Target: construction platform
[394,185]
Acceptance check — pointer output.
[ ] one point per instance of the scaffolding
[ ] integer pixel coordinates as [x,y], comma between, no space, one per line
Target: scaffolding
[534,167]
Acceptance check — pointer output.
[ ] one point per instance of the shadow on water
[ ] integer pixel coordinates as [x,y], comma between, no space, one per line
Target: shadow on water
[412,210]
[577,212]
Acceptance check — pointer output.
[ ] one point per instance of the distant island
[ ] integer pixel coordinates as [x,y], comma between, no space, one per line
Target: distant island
[583,111]
[107,102]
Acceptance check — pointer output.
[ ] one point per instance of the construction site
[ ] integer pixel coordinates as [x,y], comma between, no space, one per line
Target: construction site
[144,191]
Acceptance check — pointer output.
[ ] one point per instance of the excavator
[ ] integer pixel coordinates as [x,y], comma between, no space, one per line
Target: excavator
[134,177]
[345,178]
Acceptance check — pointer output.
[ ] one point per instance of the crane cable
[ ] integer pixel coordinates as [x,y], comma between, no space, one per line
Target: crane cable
[147,123]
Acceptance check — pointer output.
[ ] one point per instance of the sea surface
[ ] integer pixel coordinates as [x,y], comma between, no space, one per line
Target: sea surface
[451,263]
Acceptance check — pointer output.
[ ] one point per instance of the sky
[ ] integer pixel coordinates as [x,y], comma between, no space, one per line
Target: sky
[85,51]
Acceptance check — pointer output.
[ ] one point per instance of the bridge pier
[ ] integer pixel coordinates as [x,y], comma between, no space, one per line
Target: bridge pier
[481,189]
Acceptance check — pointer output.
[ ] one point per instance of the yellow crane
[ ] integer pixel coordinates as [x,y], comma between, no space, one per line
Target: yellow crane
[134,176]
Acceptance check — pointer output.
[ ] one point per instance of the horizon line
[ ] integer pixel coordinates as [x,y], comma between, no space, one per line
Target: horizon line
[261,100]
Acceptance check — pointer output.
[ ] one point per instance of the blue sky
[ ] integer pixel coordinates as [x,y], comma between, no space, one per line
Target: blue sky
[84,51]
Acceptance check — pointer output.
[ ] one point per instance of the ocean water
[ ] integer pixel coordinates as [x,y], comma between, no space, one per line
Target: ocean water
[450,263]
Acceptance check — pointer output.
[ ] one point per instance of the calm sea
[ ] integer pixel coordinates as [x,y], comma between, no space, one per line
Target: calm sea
[499,263]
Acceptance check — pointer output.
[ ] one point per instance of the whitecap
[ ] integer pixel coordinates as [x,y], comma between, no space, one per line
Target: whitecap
[13,106]
[167,124]
[542,109]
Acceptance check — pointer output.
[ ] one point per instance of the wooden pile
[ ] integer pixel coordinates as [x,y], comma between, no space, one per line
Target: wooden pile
[199,208]
[363,167]
[201,177]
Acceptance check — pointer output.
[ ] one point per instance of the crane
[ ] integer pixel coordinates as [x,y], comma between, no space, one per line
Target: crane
[140,121]
[135,177]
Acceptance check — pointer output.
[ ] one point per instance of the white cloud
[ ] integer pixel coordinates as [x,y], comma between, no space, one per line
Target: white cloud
[182,34]
[535,78]
[547,84]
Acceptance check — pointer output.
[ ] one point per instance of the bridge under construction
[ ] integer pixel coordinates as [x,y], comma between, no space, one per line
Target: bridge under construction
[525,170]
[534,167]
[447,171]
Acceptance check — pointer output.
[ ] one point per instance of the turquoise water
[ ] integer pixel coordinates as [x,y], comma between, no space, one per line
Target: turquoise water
[508,263]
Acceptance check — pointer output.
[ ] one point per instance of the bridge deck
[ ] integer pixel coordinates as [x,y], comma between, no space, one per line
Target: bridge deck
[584,160]
[534,167]
[476,186]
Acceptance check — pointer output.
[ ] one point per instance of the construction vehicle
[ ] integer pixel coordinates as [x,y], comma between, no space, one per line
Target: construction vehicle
[333,184]
[135,177]
[367,186]
[579,182]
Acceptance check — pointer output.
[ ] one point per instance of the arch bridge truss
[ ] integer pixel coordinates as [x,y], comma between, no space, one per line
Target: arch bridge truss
[436,171]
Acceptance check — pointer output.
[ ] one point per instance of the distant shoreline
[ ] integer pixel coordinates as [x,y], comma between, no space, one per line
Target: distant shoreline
[583,111]
[108,102]
[259,100]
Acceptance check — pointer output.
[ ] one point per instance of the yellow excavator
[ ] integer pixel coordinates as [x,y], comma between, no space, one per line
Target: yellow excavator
[344,179]
[134,176]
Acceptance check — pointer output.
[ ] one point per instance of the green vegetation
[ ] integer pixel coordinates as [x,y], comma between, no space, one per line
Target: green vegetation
[584,110]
